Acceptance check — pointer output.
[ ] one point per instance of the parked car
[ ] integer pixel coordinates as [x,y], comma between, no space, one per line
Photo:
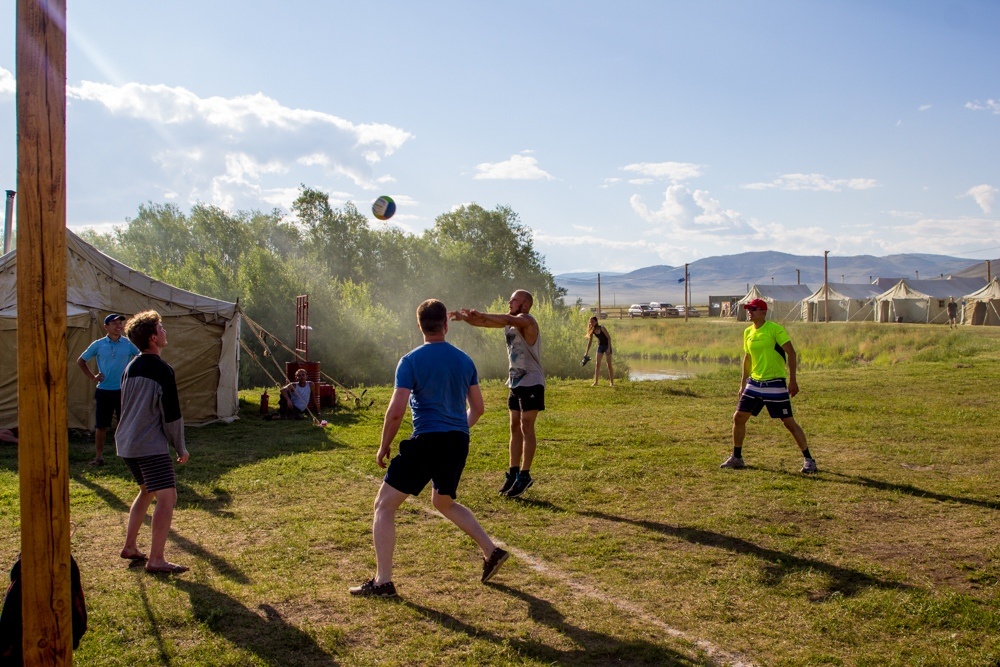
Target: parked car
[665,309]
[593,311]
[690,311]
[641,310]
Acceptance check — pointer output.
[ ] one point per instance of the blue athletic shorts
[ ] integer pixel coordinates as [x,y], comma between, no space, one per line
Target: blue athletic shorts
[429,457]
[772,394]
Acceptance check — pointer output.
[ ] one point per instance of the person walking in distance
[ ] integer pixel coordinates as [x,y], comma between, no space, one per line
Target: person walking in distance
[113,352]
[766,351]
[441,385]
[526,381]
[952,313]
[603,349]
[150,425]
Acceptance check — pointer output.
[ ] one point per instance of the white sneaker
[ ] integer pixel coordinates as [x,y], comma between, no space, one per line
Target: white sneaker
[808,466]
[734,462]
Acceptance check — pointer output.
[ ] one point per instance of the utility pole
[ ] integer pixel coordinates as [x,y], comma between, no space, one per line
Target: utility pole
[798,277]
[826,288]
[686,293]
[43,452]
[598,296]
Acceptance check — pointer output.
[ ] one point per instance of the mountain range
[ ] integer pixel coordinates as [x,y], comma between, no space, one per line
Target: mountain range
[734,275]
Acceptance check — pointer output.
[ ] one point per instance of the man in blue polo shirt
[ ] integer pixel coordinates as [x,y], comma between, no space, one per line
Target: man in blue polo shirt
[113,352]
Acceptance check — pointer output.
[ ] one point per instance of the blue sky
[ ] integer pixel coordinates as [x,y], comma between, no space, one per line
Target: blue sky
[625,134]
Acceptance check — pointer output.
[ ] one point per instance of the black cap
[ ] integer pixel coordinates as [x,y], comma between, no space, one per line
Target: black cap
[112,317]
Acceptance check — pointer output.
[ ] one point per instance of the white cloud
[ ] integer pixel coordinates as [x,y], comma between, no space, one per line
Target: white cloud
[517,168]
[984,195]
[7,84]
[814,182]
[674,172]
[923,107]
[992,106]
[683,210]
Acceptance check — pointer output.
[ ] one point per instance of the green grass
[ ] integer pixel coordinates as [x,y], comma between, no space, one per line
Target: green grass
[631,547]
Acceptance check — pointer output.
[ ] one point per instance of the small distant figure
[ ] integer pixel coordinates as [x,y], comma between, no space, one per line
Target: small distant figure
[441,385]
[150,425]
[594,328]
[952,313]
[526,382]
[766,350]
[294,399]
[113,352]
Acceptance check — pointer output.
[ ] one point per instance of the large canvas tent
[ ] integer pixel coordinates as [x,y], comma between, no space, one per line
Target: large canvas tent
[203,343]
[783,301]
[983,306]
[923,301]
[841,302]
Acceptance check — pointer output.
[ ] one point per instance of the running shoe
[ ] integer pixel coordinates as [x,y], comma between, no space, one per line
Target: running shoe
[370,589]
[808,466]
[493,563]
[509,479]
[520,486]
[734,462]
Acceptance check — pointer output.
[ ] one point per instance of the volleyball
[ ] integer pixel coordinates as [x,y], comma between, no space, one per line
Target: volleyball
[384,207]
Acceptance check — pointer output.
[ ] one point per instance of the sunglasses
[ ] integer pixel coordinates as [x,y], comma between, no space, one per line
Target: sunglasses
[752,309]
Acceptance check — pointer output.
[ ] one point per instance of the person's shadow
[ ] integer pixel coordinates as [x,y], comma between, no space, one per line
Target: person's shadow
[590,647]
[780,564]
[271,638]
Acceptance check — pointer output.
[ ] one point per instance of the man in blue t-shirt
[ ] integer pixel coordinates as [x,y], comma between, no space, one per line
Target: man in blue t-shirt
[113,352]
[441,385]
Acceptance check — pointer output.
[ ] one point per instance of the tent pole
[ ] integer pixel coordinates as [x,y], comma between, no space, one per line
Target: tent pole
[43,450]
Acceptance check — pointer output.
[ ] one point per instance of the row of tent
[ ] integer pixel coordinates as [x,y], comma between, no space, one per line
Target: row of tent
[203,346]
[904,300]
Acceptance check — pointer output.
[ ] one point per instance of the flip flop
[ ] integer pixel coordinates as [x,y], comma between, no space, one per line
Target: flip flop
[137,556]
[97,462]
[167,569]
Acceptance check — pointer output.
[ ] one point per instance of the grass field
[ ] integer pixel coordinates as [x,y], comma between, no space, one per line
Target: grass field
[632,548]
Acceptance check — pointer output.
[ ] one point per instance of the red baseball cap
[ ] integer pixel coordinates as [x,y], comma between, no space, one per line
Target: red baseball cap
[756,304]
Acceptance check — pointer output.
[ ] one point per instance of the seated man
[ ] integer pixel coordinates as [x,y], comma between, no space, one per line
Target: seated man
[295,397]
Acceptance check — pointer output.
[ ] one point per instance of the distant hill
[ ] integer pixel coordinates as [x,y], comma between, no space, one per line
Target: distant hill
[735,274]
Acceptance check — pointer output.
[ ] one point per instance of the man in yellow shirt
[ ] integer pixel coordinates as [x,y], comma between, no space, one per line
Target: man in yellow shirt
[766,351]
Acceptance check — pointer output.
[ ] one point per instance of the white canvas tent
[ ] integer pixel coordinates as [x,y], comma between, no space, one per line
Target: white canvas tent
[843,302]
[924,301]
[203,343]
[783,301]
[983,306]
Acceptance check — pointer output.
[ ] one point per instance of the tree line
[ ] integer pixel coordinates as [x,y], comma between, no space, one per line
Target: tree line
[363,283]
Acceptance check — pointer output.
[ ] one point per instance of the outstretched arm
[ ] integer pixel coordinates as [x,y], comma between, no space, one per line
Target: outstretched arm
[477,319]
[393,418]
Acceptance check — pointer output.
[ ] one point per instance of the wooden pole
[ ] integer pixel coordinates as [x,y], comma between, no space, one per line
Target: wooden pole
[598,297]
[826,289]
[43,450]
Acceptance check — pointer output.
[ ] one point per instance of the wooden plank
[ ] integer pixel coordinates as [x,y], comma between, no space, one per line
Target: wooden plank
[43,450]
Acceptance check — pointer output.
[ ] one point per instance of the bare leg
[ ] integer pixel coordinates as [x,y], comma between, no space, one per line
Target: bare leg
[136,517]
[597,368]
[463,518]
[611,371]
[100,435]
[740,427]
[163,514]
[528,438]
[797,432]
[387,502]
[516,439]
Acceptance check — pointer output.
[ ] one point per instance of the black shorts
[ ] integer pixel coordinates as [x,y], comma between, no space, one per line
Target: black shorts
[771,393]
[604,349]
[156,472]
[437,457]
[109,401]
[526,399]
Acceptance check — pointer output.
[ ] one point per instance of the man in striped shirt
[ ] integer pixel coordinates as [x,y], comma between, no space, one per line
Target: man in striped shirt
[766,350]
[150,424]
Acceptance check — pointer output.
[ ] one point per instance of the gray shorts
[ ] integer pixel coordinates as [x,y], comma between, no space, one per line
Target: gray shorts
[155,472]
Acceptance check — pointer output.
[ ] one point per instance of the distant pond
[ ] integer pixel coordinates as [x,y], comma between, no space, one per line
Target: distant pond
[669,369]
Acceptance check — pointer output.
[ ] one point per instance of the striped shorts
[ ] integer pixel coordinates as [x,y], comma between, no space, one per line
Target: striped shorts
[770,393]
[154,472]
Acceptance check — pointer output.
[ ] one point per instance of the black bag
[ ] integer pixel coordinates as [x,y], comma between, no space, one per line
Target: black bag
[12,624]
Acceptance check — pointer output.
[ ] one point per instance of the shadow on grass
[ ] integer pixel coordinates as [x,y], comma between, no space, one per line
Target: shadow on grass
[780,564]
[271,638]
[590,648]
[908,489]
[154,628]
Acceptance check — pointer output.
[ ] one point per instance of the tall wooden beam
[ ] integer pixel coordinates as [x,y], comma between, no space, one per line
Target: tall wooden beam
[43,450]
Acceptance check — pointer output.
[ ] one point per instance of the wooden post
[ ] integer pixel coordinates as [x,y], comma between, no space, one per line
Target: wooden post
[43,450]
